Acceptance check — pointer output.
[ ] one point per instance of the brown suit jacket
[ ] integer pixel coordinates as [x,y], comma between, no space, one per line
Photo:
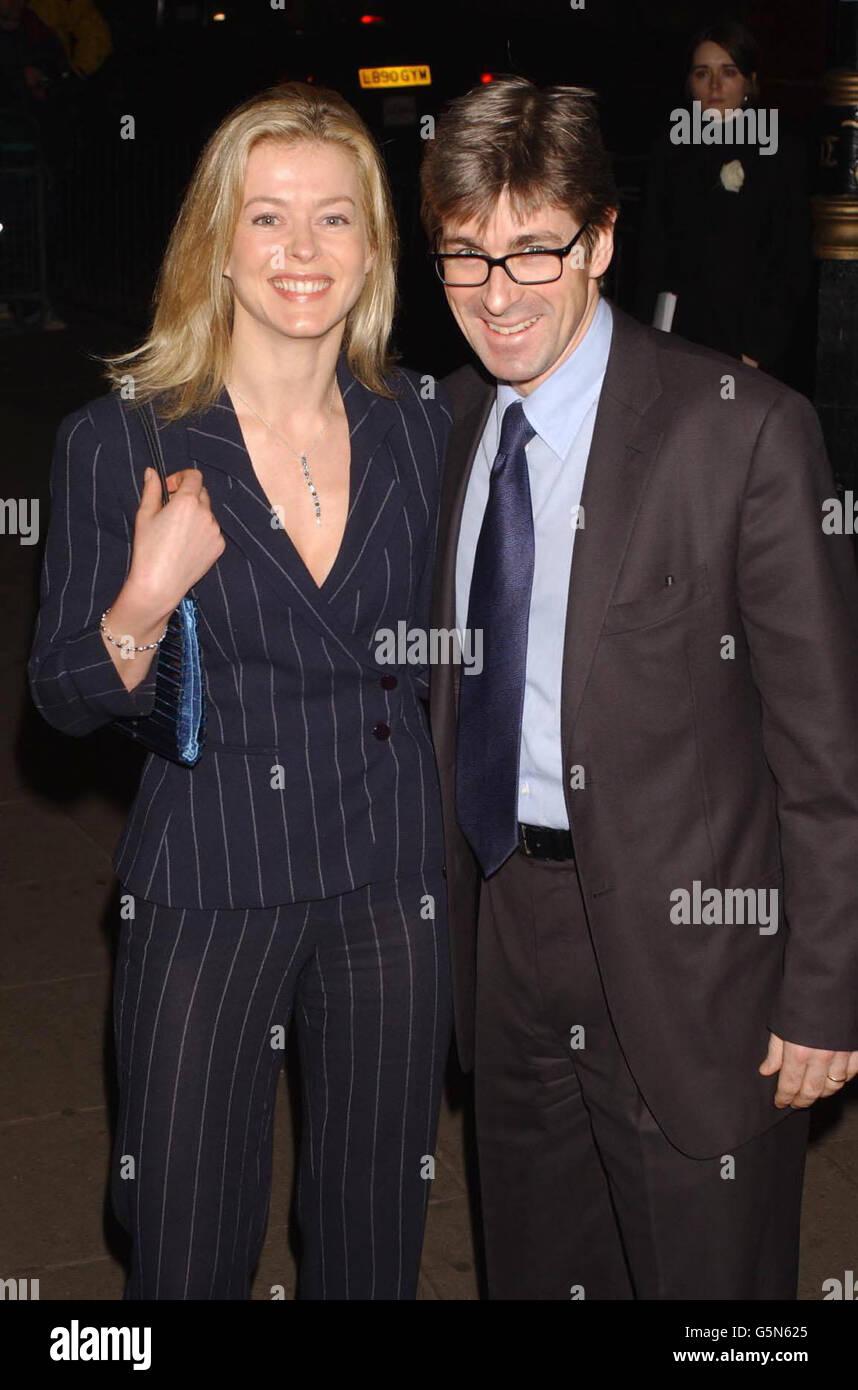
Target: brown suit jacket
[735,769]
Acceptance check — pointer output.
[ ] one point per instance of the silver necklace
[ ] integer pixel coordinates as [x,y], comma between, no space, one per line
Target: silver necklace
[302,457]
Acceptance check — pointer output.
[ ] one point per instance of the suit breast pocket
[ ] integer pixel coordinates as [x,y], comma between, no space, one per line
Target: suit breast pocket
[660,604]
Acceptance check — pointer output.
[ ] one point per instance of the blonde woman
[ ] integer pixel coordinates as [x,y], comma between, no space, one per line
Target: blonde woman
[297,870]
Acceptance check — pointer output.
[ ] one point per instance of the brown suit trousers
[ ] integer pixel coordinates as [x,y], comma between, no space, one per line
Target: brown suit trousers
[583,1196]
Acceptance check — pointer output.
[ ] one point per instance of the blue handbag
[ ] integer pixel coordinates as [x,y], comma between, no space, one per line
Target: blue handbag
[176,728]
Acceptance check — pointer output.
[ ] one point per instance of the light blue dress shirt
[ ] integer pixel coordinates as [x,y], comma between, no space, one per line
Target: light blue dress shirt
[562,411]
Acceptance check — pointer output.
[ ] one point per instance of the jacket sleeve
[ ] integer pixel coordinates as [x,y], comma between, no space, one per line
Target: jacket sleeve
[73,681]
[92,41]
[798,596]
[82,30]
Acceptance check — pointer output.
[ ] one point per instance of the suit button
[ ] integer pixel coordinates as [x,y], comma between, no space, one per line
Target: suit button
[381,730]
[389,682]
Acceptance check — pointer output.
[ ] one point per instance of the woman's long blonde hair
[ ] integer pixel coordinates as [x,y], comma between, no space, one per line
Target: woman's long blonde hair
[184,359]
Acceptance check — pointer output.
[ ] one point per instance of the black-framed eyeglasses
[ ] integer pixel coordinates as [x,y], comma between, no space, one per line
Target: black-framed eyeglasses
[460,268]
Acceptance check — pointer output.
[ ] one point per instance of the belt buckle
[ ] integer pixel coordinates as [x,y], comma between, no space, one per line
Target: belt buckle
[524,841]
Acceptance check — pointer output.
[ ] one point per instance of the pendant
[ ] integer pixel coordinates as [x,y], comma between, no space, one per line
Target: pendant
[309,481]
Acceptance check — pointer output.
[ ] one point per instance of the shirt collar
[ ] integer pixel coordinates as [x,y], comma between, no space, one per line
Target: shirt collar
[557,407]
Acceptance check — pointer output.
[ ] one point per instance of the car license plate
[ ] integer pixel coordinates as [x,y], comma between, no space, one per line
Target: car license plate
[407,76]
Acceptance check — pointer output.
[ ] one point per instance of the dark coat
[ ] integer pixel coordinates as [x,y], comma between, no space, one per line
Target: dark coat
[738,262]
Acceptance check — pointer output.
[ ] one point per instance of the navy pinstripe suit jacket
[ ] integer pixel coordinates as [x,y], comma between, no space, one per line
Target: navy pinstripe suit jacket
[291,675]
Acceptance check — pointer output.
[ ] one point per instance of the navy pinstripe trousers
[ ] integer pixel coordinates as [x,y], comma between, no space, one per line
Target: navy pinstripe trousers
[200,996]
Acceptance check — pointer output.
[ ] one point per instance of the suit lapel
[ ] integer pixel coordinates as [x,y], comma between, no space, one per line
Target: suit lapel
[622,451]
[465,436]
[375,494]
[215,443]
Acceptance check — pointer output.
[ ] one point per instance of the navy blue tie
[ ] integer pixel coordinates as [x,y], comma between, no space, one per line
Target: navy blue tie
[490,704]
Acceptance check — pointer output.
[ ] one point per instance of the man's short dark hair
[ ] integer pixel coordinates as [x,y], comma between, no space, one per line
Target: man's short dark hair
[539,144]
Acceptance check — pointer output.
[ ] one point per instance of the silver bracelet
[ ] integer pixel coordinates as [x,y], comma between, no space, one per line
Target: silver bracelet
[146,648]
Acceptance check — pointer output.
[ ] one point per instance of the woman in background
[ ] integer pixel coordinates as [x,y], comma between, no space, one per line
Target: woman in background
[726,227]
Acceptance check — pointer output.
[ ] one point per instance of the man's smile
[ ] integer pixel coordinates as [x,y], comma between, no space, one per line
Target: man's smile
[507,330]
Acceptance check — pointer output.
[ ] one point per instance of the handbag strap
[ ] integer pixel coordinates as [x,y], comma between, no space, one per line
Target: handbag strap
[150,426]
[148,420]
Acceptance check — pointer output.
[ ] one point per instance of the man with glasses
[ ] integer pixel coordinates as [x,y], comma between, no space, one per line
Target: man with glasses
[651,785]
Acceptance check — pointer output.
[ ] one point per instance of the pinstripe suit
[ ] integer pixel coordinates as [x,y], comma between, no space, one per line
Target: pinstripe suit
[291,869]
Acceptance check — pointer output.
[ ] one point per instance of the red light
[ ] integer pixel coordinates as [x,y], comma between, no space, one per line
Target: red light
[371,19]
[486,77]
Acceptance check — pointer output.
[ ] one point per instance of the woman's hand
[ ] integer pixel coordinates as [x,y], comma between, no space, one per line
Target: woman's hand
[174,546]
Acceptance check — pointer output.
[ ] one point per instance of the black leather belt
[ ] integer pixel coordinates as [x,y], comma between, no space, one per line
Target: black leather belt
[543,842]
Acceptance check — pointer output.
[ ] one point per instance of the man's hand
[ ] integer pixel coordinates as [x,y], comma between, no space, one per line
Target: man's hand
[805,1072]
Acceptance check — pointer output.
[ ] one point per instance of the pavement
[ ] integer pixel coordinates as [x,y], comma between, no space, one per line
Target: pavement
[63,803]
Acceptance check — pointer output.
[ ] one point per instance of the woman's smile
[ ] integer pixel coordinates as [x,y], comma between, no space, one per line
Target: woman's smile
[301,288]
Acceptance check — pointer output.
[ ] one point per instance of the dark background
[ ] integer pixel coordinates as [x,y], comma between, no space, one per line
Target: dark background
[178,71]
